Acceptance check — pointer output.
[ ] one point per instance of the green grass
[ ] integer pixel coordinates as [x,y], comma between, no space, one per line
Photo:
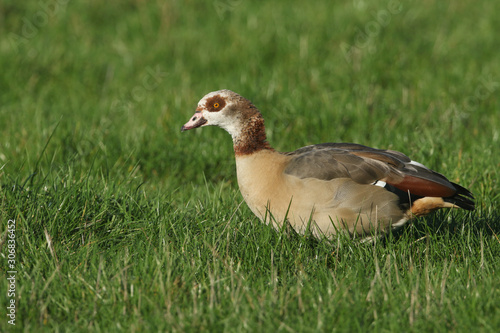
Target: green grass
[125,224]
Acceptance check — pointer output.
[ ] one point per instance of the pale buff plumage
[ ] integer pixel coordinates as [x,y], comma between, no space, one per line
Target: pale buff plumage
[328,187]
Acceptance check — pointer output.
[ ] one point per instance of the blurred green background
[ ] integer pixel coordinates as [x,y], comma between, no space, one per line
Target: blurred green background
[92,98]
[120,78]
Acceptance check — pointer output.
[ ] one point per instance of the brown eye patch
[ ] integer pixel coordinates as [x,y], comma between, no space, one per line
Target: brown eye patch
[215,103]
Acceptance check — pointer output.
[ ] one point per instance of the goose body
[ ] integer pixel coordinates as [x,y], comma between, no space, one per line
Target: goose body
[327,188]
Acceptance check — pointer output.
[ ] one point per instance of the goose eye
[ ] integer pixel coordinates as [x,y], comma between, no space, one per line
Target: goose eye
[216,105]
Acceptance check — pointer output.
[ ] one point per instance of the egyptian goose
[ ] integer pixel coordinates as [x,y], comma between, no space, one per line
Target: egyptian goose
[328,187]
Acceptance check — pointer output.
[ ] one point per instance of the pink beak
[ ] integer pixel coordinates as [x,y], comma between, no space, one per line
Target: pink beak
[196,120]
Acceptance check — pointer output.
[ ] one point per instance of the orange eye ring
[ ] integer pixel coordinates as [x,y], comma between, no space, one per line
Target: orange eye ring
[216,105]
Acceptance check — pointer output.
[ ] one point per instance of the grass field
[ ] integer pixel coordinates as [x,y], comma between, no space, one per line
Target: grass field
[122,223]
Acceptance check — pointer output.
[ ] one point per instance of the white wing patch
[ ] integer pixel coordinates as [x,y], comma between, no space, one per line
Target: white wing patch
[379,183]
[418,164]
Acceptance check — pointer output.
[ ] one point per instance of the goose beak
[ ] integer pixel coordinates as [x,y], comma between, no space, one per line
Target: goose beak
[196,120]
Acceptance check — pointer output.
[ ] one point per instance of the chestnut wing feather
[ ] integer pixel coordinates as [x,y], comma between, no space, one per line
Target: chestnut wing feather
[367,165]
